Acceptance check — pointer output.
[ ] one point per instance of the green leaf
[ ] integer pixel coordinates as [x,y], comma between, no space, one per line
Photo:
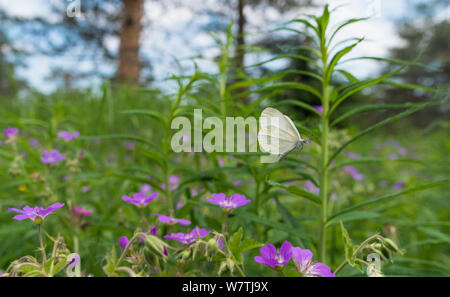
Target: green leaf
[346,23]
[336,59]
[276,225]
[239,245]
[436,234]
[364,160]
[297,191]
[118,137]
[290,220]
[348,246]
[150,113]
[370,107]
[298,104]
[286,56]
[287,85]
[361,85]
[348,75]
[110,265]
[371,128]
[390,196]
[354,216]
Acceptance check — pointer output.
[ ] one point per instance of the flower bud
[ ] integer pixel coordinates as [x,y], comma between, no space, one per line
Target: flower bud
[151,258]
[156,246]
[211,248]
[390,244]
[184,256]
[227,265]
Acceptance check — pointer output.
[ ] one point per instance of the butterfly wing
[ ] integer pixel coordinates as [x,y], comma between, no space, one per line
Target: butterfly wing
[276,134]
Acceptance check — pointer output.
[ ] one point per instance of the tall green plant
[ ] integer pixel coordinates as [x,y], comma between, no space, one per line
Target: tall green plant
[325,56]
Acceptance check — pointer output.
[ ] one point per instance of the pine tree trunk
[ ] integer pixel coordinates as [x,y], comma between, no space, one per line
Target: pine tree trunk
[129,61]
[240,37]
[240,46]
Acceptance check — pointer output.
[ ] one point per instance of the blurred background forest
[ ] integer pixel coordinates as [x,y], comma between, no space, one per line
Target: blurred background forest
[55,64]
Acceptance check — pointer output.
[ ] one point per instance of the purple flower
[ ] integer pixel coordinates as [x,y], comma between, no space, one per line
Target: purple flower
[402,151]
[140,199]
[311,187]
[123,242]
[238,182]
[67,136]
[85,189]
[170,220]
[194,192]
[230,203]
[173,182]
[319,108]
[383,183]
[145,188]
[154,230]
[34,142]
[188,238]
[10,132]
[180,204]
[398,185]
[393,157]
[52,157]
[36,214]
[353,155]
[270,257]
[305,266]
[356,175]
[80,211]
[174,179]
[130,145]
[220,242]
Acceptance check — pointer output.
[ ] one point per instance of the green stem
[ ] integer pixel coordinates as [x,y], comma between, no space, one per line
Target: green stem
[225,224]
[44,258]
[223,103]
[340,267]
[128,246]
[240,271]
[324,166]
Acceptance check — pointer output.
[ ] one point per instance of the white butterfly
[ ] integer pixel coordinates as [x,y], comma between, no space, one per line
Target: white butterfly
[278,134]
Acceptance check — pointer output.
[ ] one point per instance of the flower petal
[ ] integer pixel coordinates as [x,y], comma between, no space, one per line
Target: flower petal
[268,251]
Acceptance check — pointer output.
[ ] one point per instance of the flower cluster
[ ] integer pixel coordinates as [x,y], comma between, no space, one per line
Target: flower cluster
[311,187]
[174,180]
[354,172]
[80,211]
[52,157]
[302,260]
[10,132]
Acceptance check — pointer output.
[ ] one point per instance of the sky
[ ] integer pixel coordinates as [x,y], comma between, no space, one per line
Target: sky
[174,32]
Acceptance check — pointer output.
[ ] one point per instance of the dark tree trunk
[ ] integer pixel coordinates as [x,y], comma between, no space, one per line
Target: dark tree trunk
[129,69]
[240,47]
[240,37]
